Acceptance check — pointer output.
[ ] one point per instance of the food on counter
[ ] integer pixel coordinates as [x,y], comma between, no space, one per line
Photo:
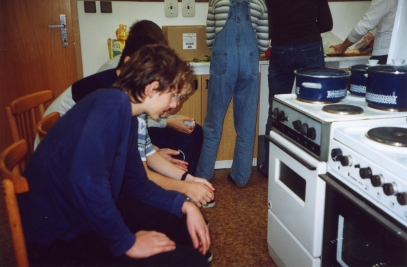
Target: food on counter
[332,51]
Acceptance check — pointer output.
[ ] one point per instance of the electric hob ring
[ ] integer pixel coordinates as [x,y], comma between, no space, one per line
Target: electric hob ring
[393,136]
[315,101]
[343,109]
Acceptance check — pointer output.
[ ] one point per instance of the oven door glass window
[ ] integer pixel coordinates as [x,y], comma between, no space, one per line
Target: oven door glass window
[292,180]
[353,237]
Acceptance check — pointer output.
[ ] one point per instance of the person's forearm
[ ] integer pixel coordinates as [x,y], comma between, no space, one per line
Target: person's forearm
[164,167]
[346,44]
[165,182]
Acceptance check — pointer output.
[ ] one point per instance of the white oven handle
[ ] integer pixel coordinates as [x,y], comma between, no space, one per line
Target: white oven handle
[291,154]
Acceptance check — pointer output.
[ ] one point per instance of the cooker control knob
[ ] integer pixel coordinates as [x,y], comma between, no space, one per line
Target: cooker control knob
[402,198]
[346,161]
[390,189]
[377,180]
[312,133]
[304,129]
[297,125]
[365,172]
[336,154]
[275,113]
[281,116]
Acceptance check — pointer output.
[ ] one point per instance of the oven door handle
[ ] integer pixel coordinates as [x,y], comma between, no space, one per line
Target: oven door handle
[291,154]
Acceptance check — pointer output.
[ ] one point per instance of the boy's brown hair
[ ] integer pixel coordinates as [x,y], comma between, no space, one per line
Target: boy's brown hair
[154,63]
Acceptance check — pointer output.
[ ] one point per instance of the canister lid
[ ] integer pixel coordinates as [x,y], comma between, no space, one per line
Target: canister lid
[389,69]
[359,67]
[322,72]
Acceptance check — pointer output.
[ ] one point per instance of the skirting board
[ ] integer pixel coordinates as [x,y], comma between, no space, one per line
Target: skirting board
[225,164]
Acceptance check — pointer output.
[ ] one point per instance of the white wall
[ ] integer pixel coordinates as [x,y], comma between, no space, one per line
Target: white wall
[96,28]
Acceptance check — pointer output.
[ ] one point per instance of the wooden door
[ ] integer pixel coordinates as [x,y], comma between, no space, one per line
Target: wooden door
[31,55]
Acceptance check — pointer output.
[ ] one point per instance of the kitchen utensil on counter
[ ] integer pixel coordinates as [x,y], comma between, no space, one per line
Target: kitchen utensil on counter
[321,84]
[373,62]
[386,87]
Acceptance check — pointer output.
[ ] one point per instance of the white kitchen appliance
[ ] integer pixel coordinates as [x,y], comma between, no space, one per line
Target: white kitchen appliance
[299,149]
[366,196]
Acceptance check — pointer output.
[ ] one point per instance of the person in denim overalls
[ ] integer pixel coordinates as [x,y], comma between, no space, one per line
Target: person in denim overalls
[234,71]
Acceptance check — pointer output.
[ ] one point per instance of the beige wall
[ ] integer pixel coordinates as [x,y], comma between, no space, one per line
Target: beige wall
[95,28]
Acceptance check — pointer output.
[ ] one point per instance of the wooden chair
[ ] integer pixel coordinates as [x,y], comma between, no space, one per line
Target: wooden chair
[14,184]
[45,124]
[23,115]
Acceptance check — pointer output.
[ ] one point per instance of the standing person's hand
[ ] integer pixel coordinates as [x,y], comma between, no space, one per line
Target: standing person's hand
[149,243]
[341,48]
[177,123]
[197,227]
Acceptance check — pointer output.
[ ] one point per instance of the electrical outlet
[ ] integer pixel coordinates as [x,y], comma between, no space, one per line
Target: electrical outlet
[171,8]
[188,8]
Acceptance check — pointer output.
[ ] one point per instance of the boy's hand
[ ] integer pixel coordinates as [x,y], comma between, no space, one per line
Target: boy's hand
[149,243]
[177,123]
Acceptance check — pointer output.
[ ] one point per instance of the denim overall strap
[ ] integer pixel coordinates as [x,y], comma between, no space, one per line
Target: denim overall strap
[233,72]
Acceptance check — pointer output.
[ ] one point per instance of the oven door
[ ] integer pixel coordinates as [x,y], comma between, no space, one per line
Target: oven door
[296,194]
[356,233]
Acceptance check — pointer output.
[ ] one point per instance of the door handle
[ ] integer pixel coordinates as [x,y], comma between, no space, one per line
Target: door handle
[62,26]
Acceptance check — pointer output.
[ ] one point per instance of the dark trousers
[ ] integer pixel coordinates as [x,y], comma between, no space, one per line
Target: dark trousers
[284,60]
[189,144]
[88,249]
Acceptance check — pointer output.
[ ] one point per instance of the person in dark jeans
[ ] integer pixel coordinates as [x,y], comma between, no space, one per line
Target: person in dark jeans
[295,29]
[90,201]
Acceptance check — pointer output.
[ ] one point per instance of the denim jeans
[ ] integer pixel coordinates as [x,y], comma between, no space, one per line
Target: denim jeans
[284,60]
[233,72]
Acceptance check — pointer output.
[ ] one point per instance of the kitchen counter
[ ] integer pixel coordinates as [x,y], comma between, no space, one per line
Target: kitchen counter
[345,62]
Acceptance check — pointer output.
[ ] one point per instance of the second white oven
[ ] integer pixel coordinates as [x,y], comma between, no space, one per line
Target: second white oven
[296,193]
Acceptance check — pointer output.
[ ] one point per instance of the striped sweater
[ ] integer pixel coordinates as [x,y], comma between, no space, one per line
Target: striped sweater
[218,13]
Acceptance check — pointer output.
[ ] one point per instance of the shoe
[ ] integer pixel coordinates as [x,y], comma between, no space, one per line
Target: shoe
[238,185]
[263,169]
[210,204]
[209,256]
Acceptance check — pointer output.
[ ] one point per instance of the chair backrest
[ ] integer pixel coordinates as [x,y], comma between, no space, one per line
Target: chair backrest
[45,124]
[14,184]
[23,115]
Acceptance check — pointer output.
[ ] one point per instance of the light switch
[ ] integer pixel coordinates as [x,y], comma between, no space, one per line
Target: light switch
[89,6]
[188,8]
[171,8]
[105,7]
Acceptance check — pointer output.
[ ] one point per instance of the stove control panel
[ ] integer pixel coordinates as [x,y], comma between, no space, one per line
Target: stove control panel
[303,130]
[373,182]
